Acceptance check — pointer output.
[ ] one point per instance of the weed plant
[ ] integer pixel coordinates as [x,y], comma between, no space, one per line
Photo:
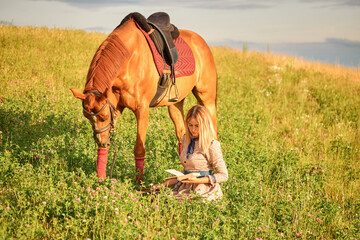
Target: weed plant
[289,130]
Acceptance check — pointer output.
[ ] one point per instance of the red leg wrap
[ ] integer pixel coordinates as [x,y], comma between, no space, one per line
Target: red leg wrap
[180,147]
[139,167]
[101,162]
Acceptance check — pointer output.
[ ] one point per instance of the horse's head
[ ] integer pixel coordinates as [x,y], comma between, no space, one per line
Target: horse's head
[101,113]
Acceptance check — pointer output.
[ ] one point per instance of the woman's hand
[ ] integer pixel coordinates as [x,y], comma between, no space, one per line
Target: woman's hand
[197,180]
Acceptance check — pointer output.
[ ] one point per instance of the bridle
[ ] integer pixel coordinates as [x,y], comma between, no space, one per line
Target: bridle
[110,126]
[113,114]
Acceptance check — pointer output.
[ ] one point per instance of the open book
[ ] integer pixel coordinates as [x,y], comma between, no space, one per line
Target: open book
[180,176]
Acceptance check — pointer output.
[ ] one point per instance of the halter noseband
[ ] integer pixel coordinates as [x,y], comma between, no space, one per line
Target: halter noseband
[92,114]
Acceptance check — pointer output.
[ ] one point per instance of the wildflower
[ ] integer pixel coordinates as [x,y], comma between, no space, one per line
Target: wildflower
[136,223]
[217,220]
[44,203]
[260,229]
[134,199]
[139,236]
[298,235]
[319,220]
[105,197]
[78,199]
[125,220]
[156,207]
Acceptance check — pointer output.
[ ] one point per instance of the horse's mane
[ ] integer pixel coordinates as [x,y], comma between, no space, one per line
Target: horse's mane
[108,59]
[110,56]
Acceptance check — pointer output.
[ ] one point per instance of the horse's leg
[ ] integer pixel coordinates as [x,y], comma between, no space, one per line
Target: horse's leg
[207,98]
[177,116]
[142,117]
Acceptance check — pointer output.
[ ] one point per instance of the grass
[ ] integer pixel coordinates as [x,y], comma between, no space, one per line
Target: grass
[289,130]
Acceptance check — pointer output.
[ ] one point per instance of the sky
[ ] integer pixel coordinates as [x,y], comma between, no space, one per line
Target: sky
[316,30]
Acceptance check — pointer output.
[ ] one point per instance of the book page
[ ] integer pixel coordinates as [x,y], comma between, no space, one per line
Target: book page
[174,172]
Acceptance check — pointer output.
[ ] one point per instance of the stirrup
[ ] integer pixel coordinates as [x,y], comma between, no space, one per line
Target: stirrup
[176,98]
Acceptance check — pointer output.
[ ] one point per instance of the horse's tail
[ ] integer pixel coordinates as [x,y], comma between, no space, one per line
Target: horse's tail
[139,18]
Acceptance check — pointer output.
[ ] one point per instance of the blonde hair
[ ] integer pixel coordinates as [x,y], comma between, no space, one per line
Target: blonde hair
[207,131]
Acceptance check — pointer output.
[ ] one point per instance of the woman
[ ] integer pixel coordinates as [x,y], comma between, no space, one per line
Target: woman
[201,153]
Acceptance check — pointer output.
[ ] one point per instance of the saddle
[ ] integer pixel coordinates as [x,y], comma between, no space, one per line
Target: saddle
[163,39]
[162,34]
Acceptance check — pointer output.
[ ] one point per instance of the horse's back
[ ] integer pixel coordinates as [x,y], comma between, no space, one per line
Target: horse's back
[205,64]
[196,42]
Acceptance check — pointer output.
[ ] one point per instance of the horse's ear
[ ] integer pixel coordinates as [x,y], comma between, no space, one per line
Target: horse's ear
[78,94]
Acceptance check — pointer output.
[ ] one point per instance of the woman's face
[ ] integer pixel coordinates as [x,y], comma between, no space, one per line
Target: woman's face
[193,127]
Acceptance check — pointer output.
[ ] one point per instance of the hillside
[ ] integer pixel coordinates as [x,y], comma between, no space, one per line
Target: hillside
[289,130]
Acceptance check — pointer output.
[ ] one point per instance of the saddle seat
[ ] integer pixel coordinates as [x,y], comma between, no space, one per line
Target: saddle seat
[163,34]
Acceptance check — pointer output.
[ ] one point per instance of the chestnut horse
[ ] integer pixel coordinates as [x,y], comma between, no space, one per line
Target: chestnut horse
[123,74]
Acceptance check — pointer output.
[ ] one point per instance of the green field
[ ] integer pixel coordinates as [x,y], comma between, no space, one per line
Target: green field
[289,130]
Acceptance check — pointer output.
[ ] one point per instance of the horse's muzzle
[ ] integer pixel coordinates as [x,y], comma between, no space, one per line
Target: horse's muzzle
[102,142]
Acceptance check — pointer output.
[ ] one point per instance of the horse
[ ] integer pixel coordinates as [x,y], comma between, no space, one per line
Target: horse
[122,74]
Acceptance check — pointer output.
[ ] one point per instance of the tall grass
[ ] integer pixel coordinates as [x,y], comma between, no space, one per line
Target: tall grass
[289,130]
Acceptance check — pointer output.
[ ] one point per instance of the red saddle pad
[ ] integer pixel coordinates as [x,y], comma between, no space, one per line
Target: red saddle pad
[185,65]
